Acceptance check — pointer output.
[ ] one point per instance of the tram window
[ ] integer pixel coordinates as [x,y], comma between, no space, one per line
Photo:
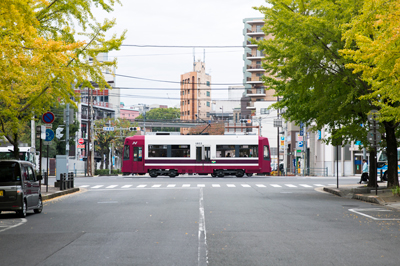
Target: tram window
[126,152]
[137,154]
[248,151]
[225,151]
[158,150]
[180,150]
[266,153]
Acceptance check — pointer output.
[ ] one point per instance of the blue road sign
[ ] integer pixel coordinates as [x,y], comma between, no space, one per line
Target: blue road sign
[49,135]
[300,144]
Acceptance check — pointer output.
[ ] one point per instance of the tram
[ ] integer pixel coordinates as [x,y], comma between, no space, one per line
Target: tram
[218,155]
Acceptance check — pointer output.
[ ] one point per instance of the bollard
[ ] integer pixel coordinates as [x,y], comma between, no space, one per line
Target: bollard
[61,181]
[71,179]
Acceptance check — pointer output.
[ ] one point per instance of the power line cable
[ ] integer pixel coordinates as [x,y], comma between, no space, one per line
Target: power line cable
[182,46]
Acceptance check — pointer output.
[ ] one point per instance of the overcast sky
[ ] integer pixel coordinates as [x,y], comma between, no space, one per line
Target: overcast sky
[178,23]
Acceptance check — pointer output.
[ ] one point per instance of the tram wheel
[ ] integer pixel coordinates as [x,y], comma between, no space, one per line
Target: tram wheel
[239,173]
[220,173]
[153,173]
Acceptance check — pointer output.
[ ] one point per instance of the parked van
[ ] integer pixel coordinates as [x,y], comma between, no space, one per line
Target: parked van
[19,187]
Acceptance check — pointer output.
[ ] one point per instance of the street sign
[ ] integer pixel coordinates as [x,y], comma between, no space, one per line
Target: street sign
[48,143]
[81,141]
[300,144]
[48,117]
[80,146]
[108,128]
[49,135]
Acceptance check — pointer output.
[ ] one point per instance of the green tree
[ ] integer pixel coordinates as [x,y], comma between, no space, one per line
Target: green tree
[42,57]
[162,115]
[104,140]
[375,31]
[304,66]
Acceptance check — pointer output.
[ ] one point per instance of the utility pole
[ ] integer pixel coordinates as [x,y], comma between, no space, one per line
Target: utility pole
[89,155]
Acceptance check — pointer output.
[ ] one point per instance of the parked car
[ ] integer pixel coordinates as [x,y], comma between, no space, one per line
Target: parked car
[19,187]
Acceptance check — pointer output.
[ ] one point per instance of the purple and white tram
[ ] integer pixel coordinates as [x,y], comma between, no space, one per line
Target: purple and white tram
[218,155]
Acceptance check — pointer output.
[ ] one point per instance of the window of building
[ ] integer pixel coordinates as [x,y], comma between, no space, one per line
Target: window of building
[208,114]
[208,94]
[208,104]
[157,150]
[264,111]
[208,83]
[188,101]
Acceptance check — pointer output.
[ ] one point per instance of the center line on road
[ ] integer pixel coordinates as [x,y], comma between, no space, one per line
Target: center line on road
[171,185]
[126,186]
[186,185]
[201,185]
[216,185]
[230,185]
[98,186]
[318,185]
[260,185]
[158,185]
[290,185]
[112,186]
[245,185]
[141,186]
[304,185]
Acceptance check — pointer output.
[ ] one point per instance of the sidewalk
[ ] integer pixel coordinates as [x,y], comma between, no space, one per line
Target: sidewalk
[384,196]
[54,192]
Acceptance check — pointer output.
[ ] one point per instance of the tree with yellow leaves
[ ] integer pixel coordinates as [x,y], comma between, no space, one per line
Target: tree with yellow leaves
[42,60]
[376,33]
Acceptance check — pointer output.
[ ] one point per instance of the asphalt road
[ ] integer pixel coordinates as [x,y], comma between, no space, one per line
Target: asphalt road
[192,220]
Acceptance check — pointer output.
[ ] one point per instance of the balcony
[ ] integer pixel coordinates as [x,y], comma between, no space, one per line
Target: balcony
[255,68]
[256,92]
[253,57]
[254,80]
[255,33]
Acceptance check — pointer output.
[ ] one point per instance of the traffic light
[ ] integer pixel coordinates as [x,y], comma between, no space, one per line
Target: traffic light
[58,132]
[134,129]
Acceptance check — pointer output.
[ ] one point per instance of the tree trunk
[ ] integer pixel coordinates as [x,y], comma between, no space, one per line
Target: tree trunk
[391,151]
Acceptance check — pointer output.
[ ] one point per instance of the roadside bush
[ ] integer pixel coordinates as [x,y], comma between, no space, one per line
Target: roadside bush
[107,171]
[396,191]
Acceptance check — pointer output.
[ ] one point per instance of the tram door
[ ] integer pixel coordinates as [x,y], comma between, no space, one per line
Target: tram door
[203,155]
[138,166]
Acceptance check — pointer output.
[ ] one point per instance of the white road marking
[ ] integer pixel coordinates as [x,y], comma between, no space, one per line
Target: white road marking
[304,185]
[275,185]
[201,185]
[12,225]
[157,185]
[230,185]
[84,186]
[141,186]
[112,186]
[290,185]
[318,185]
[360,212]
[260,185]
[186,185]
[171,185]
[216,185]
[98,186]
[126,186]
[245,185]
[202,252]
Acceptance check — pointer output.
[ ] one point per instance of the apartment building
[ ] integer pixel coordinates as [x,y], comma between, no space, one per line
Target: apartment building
[253,70]
[195,94]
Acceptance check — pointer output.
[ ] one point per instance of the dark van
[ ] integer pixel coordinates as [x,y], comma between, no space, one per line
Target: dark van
[19,187]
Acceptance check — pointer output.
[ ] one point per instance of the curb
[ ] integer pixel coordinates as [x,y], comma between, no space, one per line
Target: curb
[60,193]
[373,199]
[334,191]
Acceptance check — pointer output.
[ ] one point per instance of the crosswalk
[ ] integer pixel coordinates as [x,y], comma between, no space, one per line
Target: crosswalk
[205,185]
